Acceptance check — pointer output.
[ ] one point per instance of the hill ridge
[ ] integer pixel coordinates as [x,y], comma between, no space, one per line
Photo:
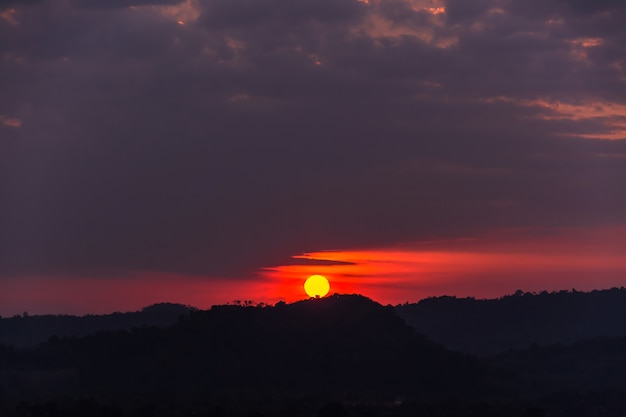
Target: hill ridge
[489,326]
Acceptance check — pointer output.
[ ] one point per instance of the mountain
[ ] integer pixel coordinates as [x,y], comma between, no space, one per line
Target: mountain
[597,364]
[339,356]
[340,345]
[25,330]
[518,321]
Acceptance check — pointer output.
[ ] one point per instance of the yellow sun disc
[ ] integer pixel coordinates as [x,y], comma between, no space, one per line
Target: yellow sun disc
[316,286]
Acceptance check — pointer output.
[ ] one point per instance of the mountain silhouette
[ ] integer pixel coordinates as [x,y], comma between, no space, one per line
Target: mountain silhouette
[343,355]
[340,344]
[25,330]
[518,321]
[597,364]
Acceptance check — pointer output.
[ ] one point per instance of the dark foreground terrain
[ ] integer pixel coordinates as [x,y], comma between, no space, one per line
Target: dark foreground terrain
[337,356]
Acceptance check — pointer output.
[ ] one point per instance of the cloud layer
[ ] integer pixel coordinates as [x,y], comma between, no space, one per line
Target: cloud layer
[217,137]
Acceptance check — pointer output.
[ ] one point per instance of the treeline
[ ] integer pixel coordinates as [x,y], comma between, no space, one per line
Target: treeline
[567,403]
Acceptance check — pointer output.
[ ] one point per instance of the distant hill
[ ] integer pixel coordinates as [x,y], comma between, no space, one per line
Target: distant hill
[518,321]
[593,364]
[340,345]
[22,331]
[336,356]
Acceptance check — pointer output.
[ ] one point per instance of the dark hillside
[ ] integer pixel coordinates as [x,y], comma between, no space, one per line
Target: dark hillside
[28,330]
[336,356]
[341,345]
[591,365]
[518,321]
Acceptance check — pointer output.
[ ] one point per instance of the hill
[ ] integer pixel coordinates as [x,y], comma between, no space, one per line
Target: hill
[25,330]
[336,356]
[597,364]
[518,321]
[340,345]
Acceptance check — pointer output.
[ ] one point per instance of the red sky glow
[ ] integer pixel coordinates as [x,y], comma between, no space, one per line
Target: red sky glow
[485,267]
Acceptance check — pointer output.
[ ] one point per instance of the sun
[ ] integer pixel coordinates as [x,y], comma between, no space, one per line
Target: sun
[316,286]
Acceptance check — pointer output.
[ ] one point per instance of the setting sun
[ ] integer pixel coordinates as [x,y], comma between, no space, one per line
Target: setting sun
[316,286]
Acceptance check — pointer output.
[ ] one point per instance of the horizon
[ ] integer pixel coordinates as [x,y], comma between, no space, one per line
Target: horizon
[257,303]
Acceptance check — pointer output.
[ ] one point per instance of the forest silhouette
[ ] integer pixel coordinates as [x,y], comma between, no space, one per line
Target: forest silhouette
[345,355]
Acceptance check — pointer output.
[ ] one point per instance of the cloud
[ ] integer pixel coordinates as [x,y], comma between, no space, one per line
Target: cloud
[6,4]
[10,121]
[608,118]
[259,130]
[116,4]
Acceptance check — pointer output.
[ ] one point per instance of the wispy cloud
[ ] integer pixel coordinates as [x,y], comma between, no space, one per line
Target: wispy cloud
[10,121]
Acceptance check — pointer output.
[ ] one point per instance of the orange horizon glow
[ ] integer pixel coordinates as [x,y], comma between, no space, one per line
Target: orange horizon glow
[487,266]
[130,292]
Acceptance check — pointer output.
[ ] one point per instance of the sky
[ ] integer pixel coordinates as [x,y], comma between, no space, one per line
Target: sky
[206,151]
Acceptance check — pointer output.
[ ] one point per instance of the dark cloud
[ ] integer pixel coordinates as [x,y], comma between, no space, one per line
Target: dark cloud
[284,12]
[5,4]
[222,136]
[116,4]
[588,6]
[583,8]
[464,11]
